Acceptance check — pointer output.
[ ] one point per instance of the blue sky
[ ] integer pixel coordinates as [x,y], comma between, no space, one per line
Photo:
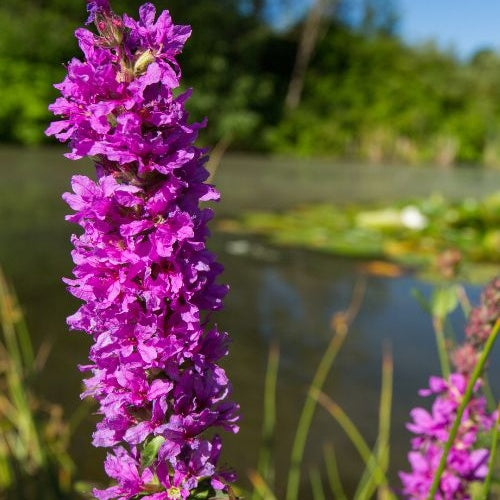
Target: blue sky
[466,25]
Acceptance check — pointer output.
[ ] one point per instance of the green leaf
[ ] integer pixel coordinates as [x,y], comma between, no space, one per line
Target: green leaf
[200,495]
[84,489]
[476,490]
[422,300]
[204,491]
[444,301]
[150,451]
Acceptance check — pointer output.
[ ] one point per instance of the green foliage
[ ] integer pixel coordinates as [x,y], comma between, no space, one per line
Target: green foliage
[204,491]
[34,438]
[222,63]
[23,110]
[444,301]
[377,99]
[150,451]
[367,95]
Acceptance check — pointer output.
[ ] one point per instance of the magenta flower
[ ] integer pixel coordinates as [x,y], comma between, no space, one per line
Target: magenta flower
[465,358]
[466,461]
[142,270]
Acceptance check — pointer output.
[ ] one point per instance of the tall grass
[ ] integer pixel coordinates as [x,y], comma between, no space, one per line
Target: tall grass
[34,437]
[376,460]
[373,481]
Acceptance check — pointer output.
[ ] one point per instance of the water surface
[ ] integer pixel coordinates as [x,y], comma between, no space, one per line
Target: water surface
[277,294]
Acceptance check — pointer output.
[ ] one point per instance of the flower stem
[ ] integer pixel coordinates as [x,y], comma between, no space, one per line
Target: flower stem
[266,453]
[491,461]
[355,437]
[307,414]
[441,347]
[465,400]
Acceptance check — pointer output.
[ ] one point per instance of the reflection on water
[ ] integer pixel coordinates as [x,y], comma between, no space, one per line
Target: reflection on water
[279,305]
[284,295]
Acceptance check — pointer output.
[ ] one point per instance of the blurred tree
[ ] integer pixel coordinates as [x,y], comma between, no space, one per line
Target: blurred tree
[379,16]
[258,8]
[351,86]
[307,44]
[224,64]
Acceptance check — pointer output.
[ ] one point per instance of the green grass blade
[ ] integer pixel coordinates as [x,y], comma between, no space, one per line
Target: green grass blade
[341,327]
[333,474]
[490,397]
[491,461]
[444,360]
[8,314]
[25,344]
[261,486]
[380,457]
[307,414]
[6,476]
[16,318]
[15,375]
[463,300]
[316,484]
[266,452]
[352,433]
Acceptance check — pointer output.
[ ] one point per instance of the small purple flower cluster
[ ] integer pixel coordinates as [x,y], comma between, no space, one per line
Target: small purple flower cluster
[478,329]
[482,318]
[142,269]
[466,462]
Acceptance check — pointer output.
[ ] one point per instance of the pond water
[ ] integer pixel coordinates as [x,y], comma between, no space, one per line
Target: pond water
[286,295]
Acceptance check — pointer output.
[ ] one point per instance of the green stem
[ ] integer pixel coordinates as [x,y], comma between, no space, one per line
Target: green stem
[333,474]
[463,404]
[354,435]
[441,347]
[307,414]
[261,486]
[380,456]
[491,461]
[490,397]
[341,323]
[316,484]
[265,464]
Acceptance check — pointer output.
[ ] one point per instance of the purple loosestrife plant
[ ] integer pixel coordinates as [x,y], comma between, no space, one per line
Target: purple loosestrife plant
[479,328]
[466,461]
[142,270]
[483,317]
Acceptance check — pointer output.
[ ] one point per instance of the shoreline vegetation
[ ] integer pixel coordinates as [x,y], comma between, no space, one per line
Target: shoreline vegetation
[351,99]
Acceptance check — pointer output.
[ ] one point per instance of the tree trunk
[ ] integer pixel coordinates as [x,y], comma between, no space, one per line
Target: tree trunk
[305,51]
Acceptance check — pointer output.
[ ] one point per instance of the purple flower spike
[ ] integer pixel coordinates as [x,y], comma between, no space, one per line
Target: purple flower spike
[466,462]
[482,318]
[147,281]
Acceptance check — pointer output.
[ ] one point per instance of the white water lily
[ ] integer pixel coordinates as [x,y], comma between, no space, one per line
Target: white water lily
[413,218]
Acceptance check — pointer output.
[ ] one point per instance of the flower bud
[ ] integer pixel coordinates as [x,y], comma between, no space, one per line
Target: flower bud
[110,27]
[143,61]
